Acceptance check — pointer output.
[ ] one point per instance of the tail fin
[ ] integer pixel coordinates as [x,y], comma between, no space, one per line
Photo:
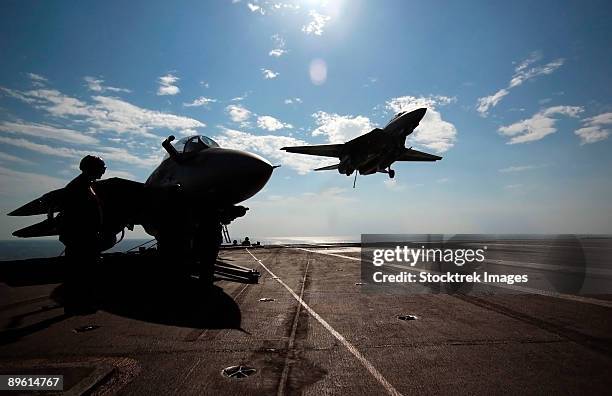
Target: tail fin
[329,167]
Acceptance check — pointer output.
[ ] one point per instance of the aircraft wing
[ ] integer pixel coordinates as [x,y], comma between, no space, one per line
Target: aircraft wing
[329,167]
[415,155]
[323,150]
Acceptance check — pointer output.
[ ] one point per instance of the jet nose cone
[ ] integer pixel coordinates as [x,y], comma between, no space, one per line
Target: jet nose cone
[255,166]
[248,174]
[419,113]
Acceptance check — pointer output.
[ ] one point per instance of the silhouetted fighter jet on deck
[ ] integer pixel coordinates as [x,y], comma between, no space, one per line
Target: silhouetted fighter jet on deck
[183,203]
[376,150]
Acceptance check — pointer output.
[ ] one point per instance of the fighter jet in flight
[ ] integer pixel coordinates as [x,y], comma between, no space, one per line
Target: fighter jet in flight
[376,150]
[183,203]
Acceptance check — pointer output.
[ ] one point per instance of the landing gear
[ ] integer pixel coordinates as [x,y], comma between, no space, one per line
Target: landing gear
[206,245]
[391,173]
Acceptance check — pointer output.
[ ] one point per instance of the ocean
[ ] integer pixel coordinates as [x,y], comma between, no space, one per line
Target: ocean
[19,249]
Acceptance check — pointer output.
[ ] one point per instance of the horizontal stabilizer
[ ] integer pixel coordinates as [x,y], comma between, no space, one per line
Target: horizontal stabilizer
[329,167]
[49,202]
[415,155]
[53,201]
[46,227]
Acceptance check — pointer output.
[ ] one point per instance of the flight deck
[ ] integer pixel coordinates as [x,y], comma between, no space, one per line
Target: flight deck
[309,327]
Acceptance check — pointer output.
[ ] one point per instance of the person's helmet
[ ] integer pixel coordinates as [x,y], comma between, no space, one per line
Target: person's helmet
[92,165]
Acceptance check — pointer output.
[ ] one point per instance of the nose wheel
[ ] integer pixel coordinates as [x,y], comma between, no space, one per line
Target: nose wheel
[391,173]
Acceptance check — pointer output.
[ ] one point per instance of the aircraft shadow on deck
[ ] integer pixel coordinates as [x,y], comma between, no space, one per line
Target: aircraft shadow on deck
[129,286]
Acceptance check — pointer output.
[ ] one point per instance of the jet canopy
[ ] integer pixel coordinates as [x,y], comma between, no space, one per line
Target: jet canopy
[193,144]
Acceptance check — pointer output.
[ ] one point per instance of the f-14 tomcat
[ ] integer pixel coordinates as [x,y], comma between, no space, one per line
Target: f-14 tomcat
[183,203]
[376,150]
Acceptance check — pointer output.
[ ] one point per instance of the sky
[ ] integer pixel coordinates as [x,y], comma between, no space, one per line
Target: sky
[518,97]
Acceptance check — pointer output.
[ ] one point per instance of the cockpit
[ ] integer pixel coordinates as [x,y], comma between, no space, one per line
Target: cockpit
[192,144]
[398,115]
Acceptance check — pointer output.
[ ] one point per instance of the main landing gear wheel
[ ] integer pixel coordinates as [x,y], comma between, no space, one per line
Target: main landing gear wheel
[207,242]
[391,173]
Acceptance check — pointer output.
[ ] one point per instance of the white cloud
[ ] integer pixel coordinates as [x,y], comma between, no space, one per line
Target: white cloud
[167,85]
[340,129]
[124,156]
[37,79]
[592,134]
[106,113]
[595,129]
[97,85]
[269,147]
[485,103]
[238,113]
[240,98]
[316,25]
[433,132]
[17,95]
[4,157]
[255,8]
[277,52]
[123,116]
[201,101]
[188,132]
[409,103]
[269,74]
[279,46]
[108,153]
[522,72]
[204,84]
[539,125]
[119,173]
[527,74]
[264,7]
[293,101]
[63,152]
[601,119]
[532,58]
[280,6]
[271,124]
[47,132]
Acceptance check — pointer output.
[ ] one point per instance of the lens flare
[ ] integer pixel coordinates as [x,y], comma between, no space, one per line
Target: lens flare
[318,71]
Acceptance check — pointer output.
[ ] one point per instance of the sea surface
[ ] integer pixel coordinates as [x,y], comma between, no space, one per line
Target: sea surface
[19,249]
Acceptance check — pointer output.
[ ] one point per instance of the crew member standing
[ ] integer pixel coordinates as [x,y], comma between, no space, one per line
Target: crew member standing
[80,229]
